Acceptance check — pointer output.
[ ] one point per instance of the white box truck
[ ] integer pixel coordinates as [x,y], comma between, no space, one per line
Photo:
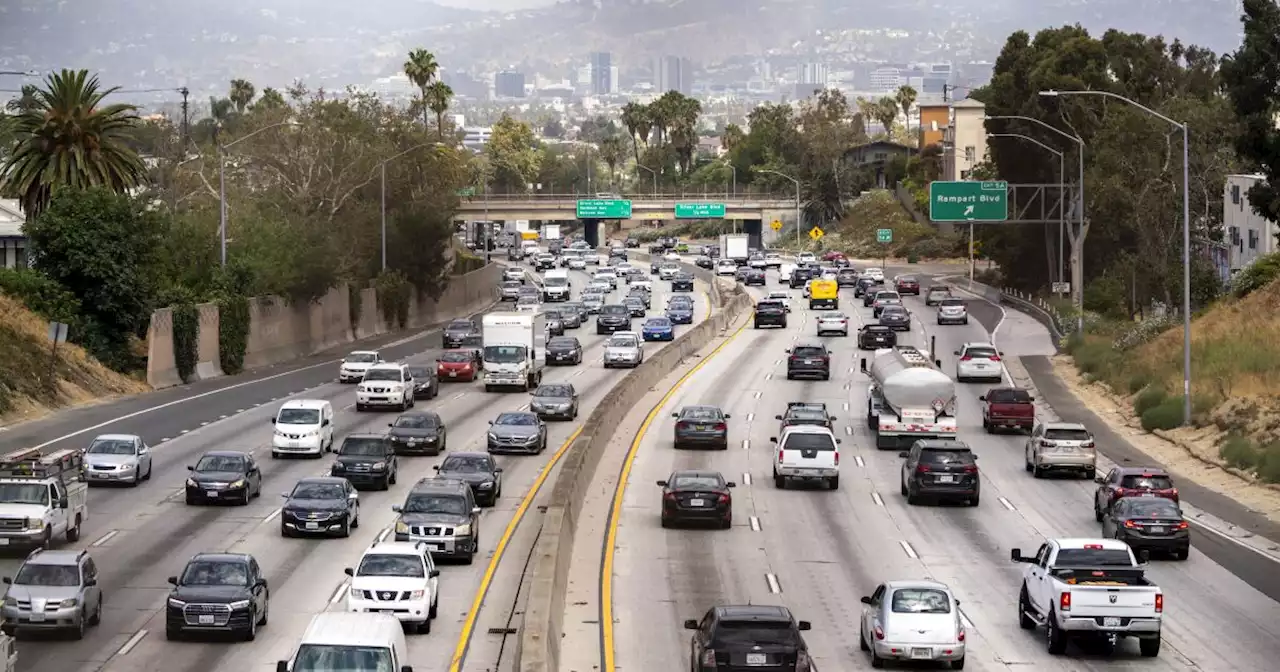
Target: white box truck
[515,350]
[909,398]
[734,246]
[551,232]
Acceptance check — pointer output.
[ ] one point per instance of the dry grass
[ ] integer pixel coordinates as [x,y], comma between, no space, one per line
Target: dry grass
[26,390]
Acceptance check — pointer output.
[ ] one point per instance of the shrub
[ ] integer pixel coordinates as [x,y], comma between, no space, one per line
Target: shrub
[1145,331]
[233,333]
[1239,452]
[186,338]
[1138,381]
[355,305]
[40,294]
[393,298]
[1256,275]
[1149,399]
[1166,415]
[1268,467]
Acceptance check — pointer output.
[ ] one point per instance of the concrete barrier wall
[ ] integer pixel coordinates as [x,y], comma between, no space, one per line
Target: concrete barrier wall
[279,332]
[538,648]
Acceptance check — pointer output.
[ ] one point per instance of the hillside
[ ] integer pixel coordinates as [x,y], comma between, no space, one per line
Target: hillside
[25,390]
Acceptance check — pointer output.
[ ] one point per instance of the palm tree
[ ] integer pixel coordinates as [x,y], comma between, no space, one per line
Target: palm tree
[437,97]
[612,152]
[421,69]
[70,140]
[633,115]
[885,111]
[241,94]
[25,102]
[906,97]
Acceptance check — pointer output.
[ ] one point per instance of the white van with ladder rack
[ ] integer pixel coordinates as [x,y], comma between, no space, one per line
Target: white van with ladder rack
[42,497]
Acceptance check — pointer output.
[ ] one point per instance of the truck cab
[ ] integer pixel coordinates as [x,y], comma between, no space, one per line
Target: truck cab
[514,351]
[42,497]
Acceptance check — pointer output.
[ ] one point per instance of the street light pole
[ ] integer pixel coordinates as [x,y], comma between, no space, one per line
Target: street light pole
[797,183]
[222,180]
[1186,235]
[382,166]
[735,175]
[1062,176]
[652,172]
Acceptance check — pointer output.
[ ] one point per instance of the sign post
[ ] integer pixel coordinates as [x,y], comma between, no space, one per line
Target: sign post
[884,237]
[57,334]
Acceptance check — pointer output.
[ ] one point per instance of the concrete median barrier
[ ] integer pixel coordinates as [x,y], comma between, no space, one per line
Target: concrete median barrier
[538,648]
[280,332]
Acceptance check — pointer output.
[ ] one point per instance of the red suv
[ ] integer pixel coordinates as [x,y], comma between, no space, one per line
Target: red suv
[907,285]
[1132,482]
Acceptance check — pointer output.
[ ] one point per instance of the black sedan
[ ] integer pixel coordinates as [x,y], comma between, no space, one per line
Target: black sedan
[696,496]
[564,351]
[863,286]
[635,306]
[1153,524]
[456,333]
[701,426]
[680,312]
[517,432]
[555,324]
[754,277]
[217,593]
[874,336]
[425,383]
[704,261]
[896,318]
[224,476]
[682,282]
[614,317]
[367,460]
[421,432]
[479,470]
[320,505]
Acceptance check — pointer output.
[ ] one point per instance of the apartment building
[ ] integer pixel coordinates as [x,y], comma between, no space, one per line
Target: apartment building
[1248,235]
[932,122]
[964,142]
[13,245]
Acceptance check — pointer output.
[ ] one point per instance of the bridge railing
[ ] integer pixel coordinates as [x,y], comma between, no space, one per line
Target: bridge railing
[727,198]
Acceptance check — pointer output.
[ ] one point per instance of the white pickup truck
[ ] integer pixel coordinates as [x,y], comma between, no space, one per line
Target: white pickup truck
[1089,588]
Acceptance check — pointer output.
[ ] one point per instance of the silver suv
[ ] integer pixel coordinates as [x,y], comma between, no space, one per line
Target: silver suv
[53,590]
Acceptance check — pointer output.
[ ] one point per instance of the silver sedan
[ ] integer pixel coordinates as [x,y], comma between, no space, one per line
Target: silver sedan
[833,323]
[118,458]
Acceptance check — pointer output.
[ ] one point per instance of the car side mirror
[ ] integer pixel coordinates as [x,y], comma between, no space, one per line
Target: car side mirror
[1100,480]
[904,454]
[273,420]
[475,509]
[1000,354]
[435,467]
[804,625]
[8,580]
[956,353]
[284,495]
[690,624]
[433,574]
[1016,555]
[282,666]
[396,508]
[1031,398]
[662,483]
[173,580]
[491,422]
[862,364]
[982,397]
[260,583]
[63,503]
[937,363]
[406,668]
[731,484]
[727,416]
[190,468]
[788,351]
[497,470]
[353,496]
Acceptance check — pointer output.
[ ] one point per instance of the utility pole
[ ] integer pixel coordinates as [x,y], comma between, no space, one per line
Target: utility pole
[186,118]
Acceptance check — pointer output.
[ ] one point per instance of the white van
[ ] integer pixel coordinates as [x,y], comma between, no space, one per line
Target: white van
[555,285]
[352,643]
[784,272]
[303,427]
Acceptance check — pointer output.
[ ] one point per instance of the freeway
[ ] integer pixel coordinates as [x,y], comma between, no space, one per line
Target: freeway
[818,551]
[138,537]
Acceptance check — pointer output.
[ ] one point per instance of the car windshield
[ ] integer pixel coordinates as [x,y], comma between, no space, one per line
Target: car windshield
[701,413]
[33,574]
[894,311]
[517,419]
[807,417]
[456,356]
[613,310]
[556,282]
[769,306]
[504,354]
[906,278]
[219,573]
[920,601]
[527,300]
[562,344]
[1067,434]
[419,372]
[779,296]
[361,358]
[416,421]
[1093,557]
[696,482]
[382,375]
[554,390]
[466,464]
[460,325]
[980,352]
[800,441]
[1008,396]
[944,457]
[753,632]
[357,446]
[342,658]
[1146,482]
[24,493]
[876,329]
[447,504]
[297,416]
[951,303]
[621,342]
[808,351]
[318,491]
[220,463]
[884,296]
[657,322]
[833,316]
[111,447]
[387,564]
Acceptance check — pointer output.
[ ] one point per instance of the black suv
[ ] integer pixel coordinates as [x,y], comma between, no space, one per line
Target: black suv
[457,331]
[613,317]
[752,637]
[682,282]
[770,313]
[809,360]
[367,460]
[806,413]
[862,286]
[940,469]
[217,593]
[847,277]
[800,275]
[443,514]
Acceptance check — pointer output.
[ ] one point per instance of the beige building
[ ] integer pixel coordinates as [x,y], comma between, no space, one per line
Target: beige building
[13,245]
[964,141]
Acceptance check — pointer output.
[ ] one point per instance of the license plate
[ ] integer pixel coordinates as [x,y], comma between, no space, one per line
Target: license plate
[313,526]
[1111,622]
[4,542]
[946,478]
[206,620]
[436,547]
[295,444]
[37,618]
[699,428]
[809,361]
[453,374]
[757,659]
[979,366]
[1157,529]
[210,493]
[412,443]
[921,654]
[697,502]
[1148,494]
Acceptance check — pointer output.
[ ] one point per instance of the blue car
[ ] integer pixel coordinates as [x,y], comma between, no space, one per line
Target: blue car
[680,314]
[659,329]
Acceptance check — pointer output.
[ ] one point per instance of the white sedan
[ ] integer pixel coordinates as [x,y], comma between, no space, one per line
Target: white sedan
[833,323]
[527,304]
[671,256]
[781,297]
[726,267]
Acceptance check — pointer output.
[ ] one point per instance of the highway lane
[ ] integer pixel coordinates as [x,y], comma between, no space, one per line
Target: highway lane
[817,551]
[153,533]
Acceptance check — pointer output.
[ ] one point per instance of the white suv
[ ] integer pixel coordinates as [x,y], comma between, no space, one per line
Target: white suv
[386,385]
[396,577]
[355,364]
[807,452]
[979,361]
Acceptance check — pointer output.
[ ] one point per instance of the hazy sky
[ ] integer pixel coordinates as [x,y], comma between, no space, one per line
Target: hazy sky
[502,5]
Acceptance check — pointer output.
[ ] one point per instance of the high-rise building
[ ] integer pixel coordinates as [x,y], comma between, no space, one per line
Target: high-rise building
[508,85]
[815,74]
[601,73]
[672,73]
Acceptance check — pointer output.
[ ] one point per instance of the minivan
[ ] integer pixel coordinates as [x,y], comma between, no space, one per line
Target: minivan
[303,427]
[351,642]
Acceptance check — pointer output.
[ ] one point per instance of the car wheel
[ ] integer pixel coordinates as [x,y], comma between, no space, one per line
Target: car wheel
[1055,638]
[150,468]
[1036,471]
[833,482]
[265,609]
[252,632]
[172,634]
[96,618]
[780,481]
[137,478]
[285,531]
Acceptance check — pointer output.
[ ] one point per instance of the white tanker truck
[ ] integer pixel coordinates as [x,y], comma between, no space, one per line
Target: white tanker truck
[909,398]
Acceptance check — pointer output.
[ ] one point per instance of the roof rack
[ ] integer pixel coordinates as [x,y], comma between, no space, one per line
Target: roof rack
[67,464]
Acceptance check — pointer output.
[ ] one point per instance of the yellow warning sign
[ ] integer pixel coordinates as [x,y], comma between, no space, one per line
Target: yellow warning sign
[776,225]
[816,233]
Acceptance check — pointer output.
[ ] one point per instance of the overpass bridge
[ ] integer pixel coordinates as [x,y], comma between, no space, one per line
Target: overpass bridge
[754,211]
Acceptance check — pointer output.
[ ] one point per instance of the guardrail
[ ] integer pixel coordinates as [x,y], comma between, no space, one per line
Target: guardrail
[538,649]
[1023,302]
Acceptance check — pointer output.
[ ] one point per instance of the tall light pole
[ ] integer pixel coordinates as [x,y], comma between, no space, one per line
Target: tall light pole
[652,172]
[1186,235]
[1078,291]
[19,73]
[222,180]
[735,174]
[1062,177]
[797,183]
[382,167]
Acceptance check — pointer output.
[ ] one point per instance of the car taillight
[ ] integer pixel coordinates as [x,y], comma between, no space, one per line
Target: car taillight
[724,499]
[720,427]
[1182,526]
[1046,443]
[837,458]
[781,453]
[922,468]
[1159,603]
[1130,524]
[682,425]
[1087,444]
[965,358]
[994,358]
[1064,602]
[709,659]
[879,631]
[960,635]
[971,469]
[803,664]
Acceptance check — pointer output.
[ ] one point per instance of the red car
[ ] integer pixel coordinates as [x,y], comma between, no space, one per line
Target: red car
[907,285]
[1132,482]
[458,366]
[832,256]
[1008,408]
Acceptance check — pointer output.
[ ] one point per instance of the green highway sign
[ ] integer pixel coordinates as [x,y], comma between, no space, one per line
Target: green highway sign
[699,210]
[884,235]
[969,201]
[604,209]
[467,191]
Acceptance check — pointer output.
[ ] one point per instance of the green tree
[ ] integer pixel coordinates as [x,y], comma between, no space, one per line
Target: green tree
[906,97]
[421,68]
[513,155]
[635,118]
[102,246]
[28,100]
[70,139]
[270,100]
[613,151]
[419,247]
[241,94]
[1252,79]
[437,97]
[886,112]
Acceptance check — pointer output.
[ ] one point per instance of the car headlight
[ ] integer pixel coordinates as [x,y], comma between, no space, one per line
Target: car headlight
[10,602]
[462,530]
[401,527]
[70,602]
[238,484]
[493,436]
[127,466]
[173,602]
[191,483]
[356,594]
[379,466]
[417,594]
[487,485]
[239,604]
[337,466]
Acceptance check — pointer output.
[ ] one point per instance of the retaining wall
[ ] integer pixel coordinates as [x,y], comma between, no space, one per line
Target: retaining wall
[538,648]
[280,332]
